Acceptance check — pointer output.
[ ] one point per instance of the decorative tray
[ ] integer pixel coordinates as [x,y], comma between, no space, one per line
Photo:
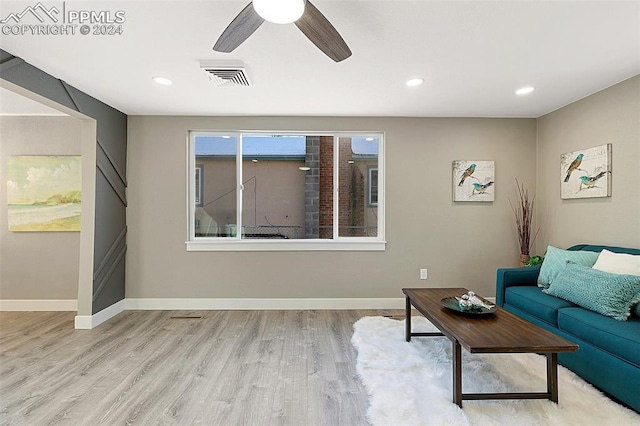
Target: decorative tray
[452,304]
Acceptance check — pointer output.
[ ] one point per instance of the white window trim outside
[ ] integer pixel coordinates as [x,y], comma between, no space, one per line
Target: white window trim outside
[238,244]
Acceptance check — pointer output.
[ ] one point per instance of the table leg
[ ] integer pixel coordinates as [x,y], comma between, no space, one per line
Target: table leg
[457,374]
[408,320]
[552,376]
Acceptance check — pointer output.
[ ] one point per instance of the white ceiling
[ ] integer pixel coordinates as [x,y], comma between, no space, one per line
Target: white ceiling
[473,55]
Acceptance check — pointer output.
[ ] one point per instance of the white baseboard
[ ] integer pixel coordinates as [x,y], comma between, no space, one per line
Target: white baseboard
[263,304]
[87,322]
[38,305]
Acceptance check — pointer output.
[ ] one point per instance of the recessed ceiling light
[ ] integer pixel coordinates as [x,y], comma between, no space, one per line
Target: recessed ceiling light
[525,90]
[162,80]
[415,82]
[304,168]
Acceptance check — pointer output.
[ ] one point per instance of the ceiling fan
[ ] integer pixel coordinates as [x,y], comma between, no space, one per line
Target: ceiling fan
[306,16]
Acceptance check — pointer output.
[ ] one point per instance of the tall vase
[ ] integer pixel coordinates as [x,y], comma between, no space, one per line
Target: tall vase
[524,258]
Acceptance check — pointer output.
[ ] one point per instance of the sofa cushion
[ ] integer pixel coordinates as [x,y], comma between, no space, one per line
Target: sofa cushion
[618,263]
[619,338]
[612,295]
[533,301]
[556,259]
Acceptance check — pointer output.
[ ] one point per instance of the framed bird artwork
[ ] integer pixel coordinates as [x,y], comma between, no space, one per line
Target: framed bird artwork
[473,180]
[586,173]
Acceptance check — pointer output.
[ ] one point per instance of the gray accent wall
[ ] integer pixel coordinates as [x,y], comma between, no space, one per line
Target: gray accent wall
[37,265]
[609,116]
[461,244]
[110,193]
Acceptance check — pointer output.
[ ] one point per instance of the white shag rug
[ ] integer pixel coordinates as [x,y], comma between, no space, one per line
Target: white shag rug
[410,383]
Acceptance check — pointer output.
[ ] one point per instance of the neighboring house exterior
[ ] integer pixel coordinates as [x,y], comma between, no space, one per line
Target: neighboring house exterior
[288,192]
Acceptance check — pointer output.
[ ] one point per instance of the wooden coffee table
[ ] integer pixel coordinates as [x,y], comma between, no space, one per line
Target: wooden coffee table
[500,332]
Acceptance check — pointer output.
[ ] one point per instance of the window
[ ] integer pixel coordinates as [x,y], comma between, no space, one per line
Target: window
[372,185]
[198,184]
[285,191]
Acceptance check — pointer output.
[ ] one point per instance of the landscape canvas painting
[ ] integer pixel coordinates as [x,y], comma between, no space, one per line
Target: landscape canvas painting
[44,193]
[473,180]
[586,173]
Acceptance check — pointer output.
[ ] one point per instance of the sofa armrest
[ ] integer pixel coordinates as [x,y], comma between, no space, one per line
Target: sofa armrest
[511,277]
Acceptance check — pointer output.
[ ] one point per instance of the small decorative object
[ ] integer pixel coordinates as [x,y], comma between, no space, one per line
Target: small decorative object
[469,304]
[586,173]
[523,213]
[473,180]
[464,303]
[475,301]
[44,193]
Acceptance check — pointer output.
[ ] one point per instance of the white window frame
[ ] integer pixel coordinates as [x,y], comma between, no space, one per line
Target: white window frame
[236,243]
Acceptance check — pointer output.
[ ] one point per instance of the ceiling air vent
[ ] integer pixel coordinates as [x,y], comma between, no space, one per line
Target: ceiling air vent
[226,73]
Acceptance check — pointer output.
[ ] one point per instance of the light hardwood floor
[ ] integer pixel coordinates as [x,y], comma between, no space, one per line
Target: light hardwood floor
[152,367]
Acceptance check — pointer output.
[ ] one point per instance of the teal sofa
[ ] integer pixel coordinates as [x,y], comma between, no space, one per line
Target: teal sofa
[609,353]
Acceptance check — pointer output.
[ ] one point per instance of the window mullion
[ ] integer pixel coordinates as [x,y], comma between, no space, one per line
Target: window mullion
[239,186]
[336,194]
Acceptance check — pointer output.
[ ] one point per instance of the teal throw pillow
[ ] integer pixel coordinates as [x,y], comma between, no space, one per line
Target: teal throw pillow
[608,294]
[556,259]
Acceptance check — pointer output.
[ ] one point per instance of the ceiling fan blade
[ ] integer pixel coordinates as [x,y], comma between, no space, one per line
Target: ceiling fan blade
[239,30]
[321,33]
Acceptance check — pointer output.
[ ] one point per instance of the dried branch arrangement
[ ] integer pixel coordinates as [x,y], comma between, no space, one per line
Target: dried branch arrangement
[524,216]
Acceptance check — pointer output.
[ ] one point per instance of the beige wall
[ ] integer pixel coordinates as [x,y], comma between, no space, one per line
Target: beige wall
[37,265]
[610,116]
[461,244]
[273,194]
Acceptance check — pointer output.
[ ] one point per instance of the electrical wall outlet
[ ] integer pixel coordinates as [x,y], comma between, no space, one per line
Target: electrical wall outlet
[423,274]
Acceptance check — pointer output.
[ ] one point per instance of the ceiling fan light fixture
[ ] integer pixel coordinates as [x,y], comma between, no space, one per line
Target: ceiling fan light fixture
[279,11]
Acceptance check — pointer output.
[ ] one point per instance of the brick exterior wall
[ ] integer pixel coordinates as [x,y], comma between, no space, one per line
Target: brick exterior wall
[312,188]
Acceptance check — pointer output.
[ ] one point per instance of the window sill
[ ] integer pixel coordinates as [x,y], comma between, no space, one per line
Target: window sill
[288,245]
